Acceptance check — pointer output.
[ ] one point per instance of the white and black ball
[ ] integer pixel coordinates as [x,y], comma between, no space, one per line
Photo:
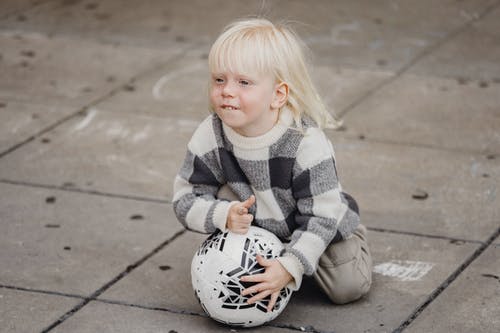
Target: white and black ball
[216,269]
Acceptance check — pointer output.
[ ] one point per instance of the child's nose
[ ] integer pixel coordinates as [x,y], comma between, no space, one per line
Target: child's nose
[228,90]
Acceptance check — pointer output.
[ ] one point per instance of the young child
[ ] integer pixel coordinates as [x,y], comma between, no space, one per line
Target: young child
[263,149]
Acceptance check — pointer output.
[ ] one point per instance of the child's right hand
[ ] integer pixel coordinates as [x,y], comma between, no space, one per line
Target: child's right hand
[238,219]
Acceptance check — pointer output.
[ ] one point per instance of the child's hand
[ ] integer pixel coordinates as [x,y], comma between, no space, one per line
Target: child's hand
[275,278]
[238,219]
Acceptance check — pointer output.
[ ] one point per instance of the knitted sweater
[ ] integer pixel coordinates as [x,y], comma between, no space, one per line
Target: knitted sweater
[292,175]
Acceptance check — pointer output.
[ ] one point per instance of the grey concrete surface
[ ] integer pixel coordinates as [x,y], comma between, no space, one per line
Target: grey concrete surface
[60,70]
[435,112]
[24,311]
[72,242]
[365,33]
[99,99]
[99,317]
[128,154]
[395,173]
[471,303]
[22,120]
[476,46]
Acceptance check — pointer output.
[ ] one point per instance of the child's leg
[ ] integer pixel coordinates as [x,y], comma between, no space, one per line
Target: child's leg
[345,269]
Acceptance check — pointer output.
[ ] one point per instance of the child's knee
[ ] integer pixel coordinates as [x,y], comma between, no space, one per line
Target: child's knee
[349,290]
[345,269]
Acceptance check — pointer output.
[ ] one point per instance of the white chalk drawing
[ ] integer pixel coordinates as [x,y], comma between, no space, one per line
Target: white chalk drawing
[404,270]
[87,120]
[158,87]
[337,33]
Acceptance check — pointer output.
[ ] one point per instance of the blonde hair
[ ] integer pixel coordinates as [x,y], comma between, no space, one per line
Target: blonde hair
[257,45]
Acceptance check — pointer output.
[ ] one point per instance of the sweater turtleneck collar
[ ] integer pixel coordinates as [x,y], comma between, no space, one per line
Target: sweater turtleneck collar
[265,140]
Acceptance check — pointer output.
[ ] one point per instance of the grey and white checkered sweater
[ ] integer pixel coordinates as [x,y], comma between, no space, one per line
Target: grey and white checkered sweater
[292,175]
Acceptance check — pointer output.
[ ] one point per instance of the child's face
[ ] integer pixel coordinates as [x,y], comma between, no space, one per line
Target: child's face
[246,104]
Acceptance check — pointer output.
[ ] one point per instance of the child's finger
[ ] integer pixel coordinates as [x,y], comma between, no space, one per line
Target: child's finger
[240,230]
[254,278]
[263,261]
[244,219]
[272,302]
[242,210]
[249,202]
[256,288]
[259,296]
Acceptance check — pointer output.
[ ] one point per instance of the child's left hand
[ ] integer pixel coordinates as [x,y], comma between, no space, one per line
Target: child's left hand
[275,278]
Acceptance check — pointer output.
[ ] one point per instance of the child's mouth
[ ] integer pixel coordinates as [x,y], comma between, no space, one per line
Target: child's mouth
[229,107]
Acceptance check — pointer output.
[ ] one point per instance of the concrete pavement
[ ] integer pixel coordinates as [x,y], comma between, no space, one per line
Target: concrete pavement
[99,99]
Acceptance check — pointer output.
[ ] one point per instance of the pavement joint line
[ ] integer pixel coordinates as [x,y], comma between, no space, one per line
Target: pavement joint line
[78,190]
[420,145]
[40,291]
[410,233]
[120,276]
[307,328]
[148,307]
[154,200]
[435,294]
[417,58]
[82,111]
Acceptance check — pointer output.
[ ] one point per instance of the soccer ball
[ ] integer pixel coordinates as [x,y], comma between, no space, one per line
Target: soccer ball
[216,269]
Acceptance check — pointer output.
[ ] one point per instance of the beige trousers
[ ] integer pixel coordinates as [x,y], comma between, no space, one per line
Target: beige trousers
[345,268]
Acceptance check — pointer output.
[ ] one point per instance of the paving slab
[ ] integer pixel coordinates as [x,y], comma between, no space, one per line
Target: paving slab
[22,311]
[103,317]
[75,243]
[21,120]
[381,34]
[59,70]
[469,304]
[472,57]
[103,151]
[391,300]
[436,112]
[420,190]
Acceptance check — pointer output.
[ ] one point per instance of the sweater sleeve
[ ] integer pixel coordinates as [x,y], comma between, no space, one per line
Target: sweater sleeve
[195,199]
[324,213]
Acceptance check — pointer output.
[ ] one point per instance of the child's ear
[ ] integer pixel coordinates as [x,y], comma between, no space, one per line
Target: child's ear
[280,95]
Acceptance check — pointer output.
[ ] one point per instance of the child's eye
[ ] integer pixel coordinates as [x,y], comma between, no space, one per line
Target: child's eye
[244,82]
[218,80]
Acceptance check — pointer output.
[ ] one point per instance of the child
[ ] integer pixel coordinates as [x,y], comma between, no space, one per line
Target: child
[263,148]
